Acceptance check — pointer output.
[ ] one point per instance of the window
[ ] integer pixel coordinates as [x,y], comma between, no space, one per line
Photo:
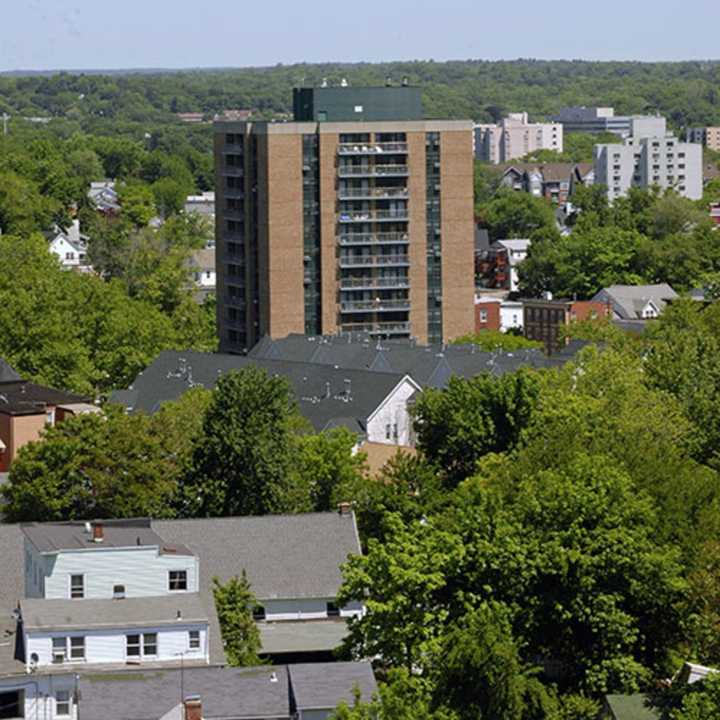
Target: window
[77,648]
[387,432]
[194,640]
[62,702]
[150,644]
[395,431]
[118,592]
[483,316]
[132,645]
[333,610]
[258,612]
[59,649]
[77,587]
[177,580]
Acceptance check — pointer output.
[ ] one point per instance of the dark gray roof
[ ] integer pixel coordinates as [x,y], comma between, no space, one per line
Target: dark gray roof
[353,392]
[12,590]
[260,692]
[25,398]
[286,636]
[285,556]
[428,365]
[41,614]
[325,685]
[55,537]
[8,373]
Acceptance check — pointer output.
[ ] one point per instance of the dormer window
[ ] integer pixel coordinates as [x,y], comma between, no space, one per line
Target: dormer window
[177,580]
[77,587]
[333,610]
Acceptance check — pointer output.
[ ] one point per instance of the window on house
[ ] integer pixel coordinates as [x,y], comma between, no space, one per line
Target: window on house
[59,649]
[258,612]
[177,580]
[395,431]
[150,644]
[132,645]
[118,592]
[194,640]
[77,648]
[77,587]
[387,432]
[62,702]
[333,610]
[483,316]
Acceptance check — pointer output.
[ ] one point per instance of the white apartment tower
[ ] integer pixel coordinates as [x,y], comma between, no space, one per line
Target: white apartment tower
[646,162]
[516,137]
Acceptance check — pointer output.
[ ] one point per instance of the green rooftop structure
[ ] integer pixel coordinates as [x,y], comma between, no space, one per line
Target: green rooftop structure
[344,103]
[628,707]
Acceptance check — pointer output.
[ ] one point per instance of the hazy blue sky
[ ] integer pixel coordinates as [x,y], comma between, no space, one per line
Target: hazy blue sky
[41,34]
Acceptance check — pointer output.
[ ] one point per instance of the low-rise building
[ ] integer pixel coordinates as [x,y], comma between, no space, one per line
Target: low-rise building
[202,204]
[104,198]
[546,320]
[706,136]
[645,162]
[636,302]
[553,181]
[515,137]
[26,409]
[202,269]
[70,247]
[497,313]
[498,267]
[597,120]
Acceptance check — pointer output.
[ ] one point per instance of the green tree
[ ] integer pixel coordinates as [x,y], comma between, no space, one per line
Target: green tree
[511,214]
[490,340]
[108,465]
[234,603]
[699,701]
[244,465]
[459,425]
[138,203]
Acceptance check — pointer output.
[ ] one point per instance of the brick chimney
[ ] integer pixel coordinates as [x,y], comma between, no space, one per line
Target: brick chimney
[193,708]
[98,532]
[344,508]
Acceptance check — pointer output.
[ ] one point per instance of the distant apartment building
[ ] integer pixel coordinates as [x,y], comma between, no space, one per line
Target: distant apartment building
[658,161]
[515,137]
[357,216]
[497,313]
[603,119]
[554,181]
[707,136]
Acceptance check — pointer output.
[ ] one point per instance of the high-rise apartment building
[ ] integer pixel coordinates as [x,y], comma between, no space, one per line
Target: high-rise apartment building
[707,136]
[645,162]
[357,216]
[603,119]
[515,137]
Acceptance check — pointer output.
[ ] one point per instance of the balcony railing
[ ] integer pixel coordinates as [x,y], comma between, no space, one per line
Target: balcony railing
[379,328]
[375,261]
[234,214]
[372,148]
[373,171]
[379,305]
[371,283]
[389,238]
[234,170]
[382,193]
[374,216]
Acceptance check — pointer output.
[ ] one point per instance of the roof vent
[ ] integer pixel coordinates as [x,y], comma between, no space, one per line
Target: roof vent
[345,508]
[273,677]
[88,528]
[98,532]
[179,615]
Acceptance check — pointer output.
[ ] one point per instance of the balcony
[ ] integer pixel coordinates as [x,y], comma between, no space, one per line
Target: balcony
[390,148]
[233,171]
[235,301]
[389,238]
[234,214]
[379,305]
[365,216]
[375,193]
[345,171]
[370,283]
[375,261]
[379,328]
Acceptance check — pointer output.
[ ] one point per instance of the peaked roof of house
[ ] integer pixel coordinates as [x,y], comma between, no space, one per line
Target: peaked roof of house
[428,365]
[326,395]
[19,397]
[324,687]
[73,535]
[630,707]
[519,244]
[8,373]
[40,614]
[270,691]
[629,300]
[203,259]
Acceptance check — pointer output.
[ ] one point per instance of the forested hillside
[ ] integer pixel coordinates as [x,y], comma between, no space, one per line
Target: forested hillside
[687,92]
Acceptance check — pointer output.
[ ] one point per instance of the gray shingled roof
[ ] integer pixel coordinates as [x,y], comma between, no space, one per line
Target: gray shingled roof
[54,537]
[302,636]
[25,398]
[47,615]
[428,365]
[172,373]
[261,692]
[8,373]
[325,685]
[629,300]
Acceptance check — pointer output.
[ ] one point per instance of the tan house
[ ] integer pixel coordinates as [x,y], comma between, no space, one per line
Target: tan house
[26,409]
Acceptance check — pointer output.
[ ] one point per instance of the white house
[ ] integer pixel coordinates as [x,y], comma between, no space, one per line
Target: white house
[70,247]
[516,251]
[203,204]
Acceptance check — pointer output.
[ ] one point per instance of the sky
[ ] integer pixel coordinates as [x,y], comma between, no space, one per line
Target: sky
[87,34]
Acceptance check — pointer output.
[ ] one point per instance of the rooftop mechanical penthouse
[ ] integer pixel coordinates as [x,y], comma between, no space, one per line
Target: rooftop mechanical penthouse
[356,216]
